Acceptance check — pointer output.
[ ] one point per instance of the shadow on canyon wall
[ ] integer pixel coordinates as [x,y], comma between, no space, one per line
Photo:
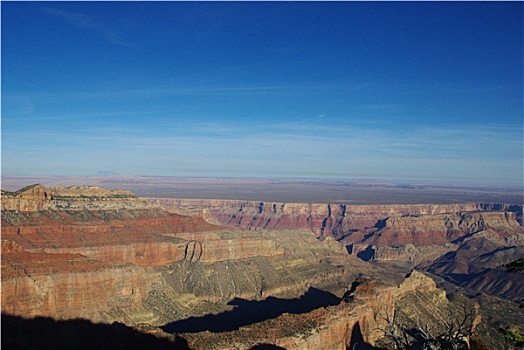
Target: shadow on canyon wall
[46,333]
[267,347]
[367,255]
[247,312]
[357,340]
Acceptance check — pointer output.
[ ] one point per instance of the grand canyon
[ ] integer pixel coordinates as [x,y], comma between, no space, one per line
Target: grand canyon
[262,175]
[88,267]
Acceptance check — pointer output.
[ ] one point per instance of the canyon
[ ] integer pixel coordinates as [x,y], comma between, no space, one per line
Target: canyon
[217,274]
[416,234]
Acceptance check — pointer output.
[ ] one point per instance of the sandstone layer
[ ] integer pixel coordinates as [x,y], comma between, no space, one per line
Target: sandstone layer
[37,198]
[67,249]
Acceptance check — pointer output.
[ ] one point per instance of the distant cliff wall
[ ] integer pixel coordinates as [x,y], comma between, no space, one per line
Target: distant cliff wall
[321,219]
[425,230]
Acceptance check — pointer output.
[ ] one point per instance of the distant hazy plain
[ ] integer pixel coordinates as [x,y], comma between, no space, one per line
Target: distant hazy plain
[284,190]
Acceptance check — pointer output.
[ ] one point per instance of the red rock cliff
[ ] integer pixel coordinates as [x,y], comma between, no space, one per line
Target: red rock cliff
[321,219]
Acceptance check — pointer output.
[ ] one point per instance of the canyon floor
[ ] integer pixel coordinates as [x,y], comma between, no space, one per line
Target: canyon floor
[91,267]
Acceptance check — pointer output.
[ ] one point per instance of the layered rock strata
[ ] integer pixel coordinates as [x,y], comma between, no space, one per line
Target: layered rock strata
[424,230]
[67,249]
[429,236]
[412,233]
[321,219]
[38,198]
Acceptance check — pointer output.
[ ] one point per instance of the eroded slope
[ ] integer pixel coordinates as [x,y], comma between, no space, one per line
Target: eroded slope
[109,256]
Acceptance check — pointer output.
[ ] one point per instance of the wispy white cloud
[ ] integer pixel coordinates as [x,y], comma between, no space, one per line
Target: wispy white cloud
[88,23]
[17,105]
[349,91]
[312,147]
[153,92]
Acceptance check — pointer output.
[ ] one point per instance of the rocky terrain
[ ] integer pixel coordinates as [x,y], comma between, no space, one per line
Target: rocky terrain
[216,274]
[108,256]
[429,236]
[467,244]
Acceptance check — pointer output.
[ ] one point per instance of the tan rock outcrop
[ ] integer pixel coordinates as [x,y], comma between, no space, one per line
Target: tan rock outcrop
[38,198]
[73,294]
[325,328]
[409,252]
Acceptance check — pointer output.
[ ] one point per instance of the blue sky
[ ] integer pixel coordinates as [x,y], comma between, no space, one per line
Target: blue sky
[410,91]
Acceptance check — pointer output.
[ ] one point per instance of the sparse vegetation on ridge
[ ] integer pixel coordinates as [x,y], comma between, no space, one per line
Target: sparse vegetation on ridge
[515,266]
[514,337]
[453,330]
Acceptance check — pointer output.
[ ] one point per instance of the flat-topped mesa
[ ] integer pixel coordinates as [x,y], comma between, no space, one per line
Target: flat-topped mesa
[39,198]
[89,192]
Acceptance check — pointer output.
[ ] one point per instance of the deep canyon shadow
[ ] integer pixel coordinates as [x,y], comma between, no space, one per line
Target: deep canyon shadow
[357,340]
[247,312]
[45,333]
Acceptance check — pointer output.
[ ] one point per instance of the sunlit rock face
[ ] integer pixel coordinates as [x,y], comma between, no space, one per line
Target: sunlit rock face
[356,320]
[407,232]
[88,252]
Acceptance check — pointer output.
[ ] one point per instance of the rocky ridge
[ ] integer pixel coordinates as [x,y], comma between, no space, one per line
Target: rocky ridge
[358,319]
